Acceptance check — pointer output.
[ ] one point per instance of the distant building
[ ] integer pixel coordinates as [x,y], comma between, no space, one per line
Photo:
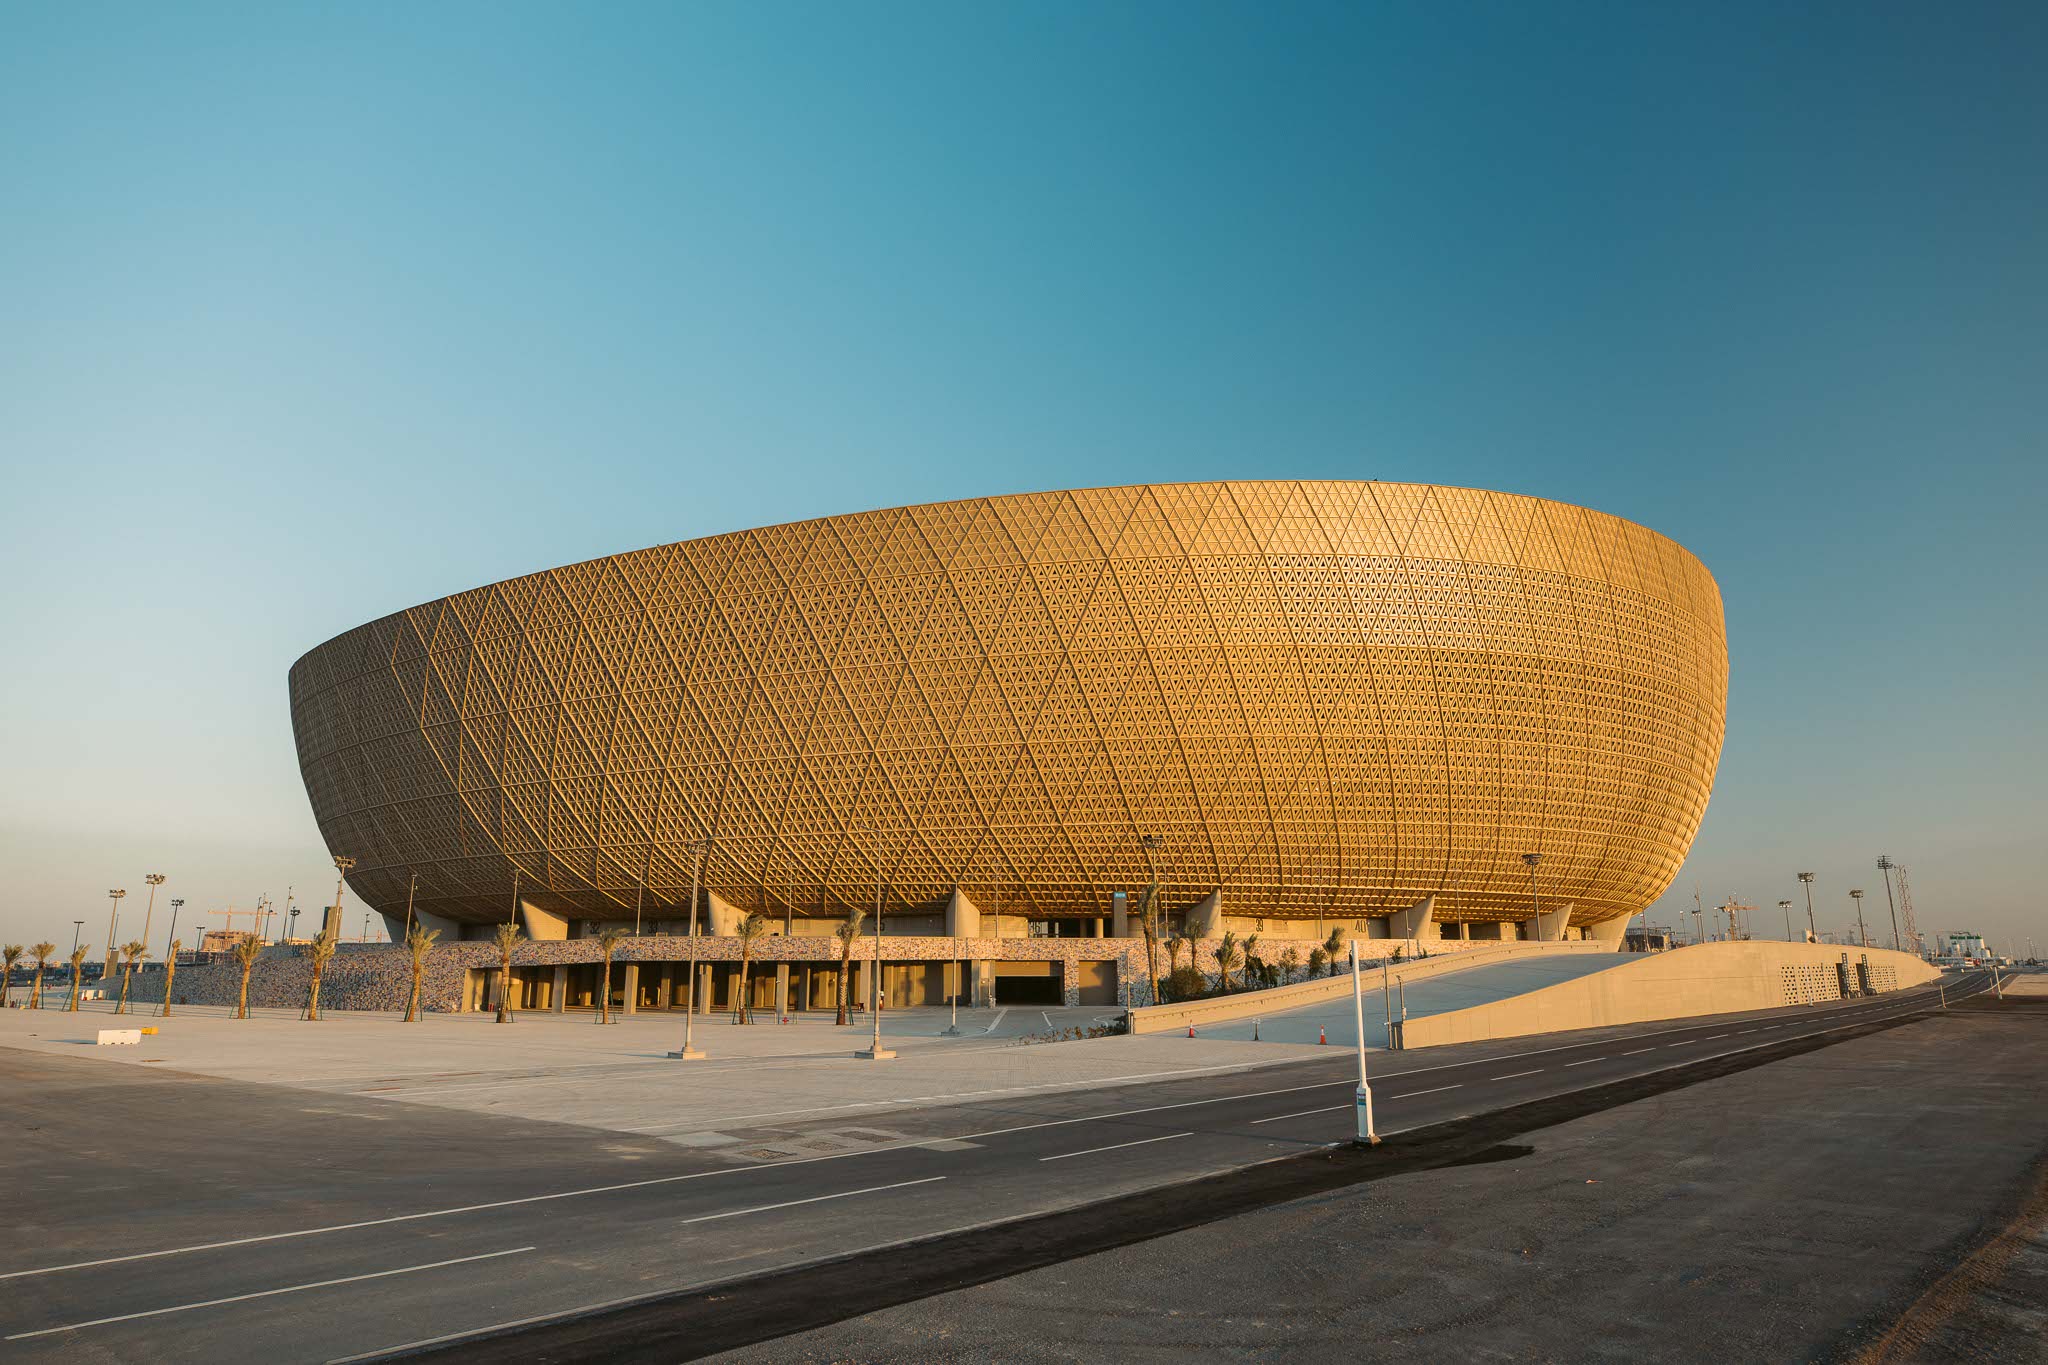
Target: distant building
[222,940]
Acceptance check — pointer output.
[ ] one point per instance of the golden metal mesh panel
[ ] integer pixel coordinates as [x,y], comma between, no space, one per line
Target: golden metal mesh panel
[1327,697]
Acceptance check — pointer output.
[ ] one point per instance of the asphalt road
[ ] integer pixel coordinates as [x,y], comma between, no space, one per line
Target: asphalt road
[155,1221]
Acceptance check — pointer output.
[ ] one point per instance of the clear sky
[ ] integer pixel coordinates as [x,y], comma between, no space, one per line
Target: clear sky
[315,312]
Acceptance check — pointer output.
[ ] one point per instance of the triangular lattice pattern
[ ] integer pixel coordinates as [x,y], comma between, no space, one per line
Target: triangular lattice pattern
[1327,698]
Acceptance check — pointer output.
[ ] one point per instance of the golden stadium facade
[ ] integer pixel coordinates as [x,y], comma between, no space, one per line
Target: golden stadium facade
[1325,699]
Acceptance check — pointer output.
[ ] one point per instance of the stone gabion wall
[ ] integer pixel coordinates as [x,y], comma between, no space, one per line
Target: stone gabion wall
[379,978]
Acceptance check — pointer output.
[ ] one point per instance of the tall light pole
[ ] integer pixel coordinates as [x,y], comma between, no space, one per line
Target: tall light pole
[696,849]
[76,925]
[1362,1097]
[1806,880]
[1529,860]
[113,917]
[155,879]
[875,1051]
[1786,906]
[1857,896]
[1152,843]
[412,886]
[332,928]
[1885,866]
[177,904]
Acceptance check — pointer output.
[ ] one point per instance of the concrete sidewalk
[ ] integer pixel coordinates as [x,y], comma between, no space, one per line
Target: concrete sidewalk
[570,1069]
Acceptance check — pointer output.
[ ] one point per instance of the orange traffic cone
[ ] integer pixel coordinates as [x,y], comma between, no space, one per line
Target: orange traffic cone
[1191,1030]
[1322,1038]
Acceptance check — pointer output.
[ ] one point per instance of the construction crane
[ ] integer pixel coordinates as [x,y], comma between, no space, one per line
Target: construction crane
[1906,911]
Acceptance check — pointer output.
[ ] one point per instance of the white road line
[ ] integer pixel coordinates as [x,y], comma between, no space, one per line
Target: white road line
[1512,1075]
[814,1199]
[1115,1146]
[1748,1030]
[1411,1094]
[1303,1113]
[1583,1060]
[264,1294]
[1639,1052]
[995,1021]
[1712,1037]
[1683,1042]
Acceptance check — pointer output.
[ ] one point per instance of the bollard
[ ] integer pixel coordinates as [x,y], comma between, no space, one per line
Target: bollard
[1255,1028]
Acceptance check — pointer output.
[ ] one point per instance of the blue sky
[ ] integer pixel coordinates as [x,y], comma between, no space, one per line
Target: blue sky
[317,312]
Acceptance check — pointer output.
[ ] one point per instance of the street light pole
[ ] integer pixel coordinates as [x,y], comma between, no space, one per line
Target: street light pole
[1806,880]
[342,864]
[696,849]
[177,904]
[1857,896]
[412,886]
[1362,1097]
[113,917]
[1786,906]
[1885,866]
[155,879]
[876,1052]
[1535,905]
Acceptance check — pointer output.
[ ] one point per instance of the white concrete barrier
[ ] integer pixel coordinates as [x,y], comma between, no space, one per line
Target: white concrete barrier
[114,1037]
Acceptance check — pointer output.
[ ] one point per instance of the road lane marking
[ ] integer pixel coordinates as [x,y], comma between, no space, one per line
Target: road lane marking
[1303,1113]
[814,1199]
[1115,1146]
[1515,1075]
[1411,1094]
[264,1294]
[1639,1052]
[1711,1037]
[1583,1060]
[1683,1042]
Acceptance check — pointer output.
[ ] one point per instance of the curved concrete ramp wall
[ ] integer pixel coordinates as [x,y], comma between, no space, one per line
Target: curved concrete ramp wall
[1708,978]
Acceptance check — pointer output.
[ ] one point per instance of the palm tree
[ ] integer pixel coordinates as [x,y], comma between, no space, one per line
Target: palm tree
[608,943]
[12,954]
[78,956]
[35,987]
[1316,957]
[170,976]
[1254,970]
[418,943]
[1333,945]
[131,953]
[1289,960]
[246,951]
[1226,958]
[319,952]
[846,934]
[753,929]
[508,939]
[1176,941]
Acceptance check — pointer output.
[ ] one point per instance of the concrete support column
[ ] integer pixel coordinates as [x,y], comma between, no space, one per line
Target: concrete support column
[860,985]
[781,990]
[665,987]
[1119,915]
[1205,920]
[630,985]
[560,999]
[1418,921]
[542,926]
[963,918]
[704,988]
[984,984]
[1070,980]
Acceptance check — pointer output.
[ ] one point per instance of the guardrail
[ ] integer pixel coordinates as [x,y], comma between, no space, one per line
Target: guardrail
[1273,999]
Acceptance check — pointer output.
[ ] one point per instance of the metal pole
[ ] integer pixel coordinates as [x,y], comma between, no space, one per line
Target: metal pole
[1362,1097]
[155,879]
[875,1050]
[697,848]
[1857,896]
[953,1029]
[1884,865]
[1806,880]
[412,885]
[177,903]
[112,917]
